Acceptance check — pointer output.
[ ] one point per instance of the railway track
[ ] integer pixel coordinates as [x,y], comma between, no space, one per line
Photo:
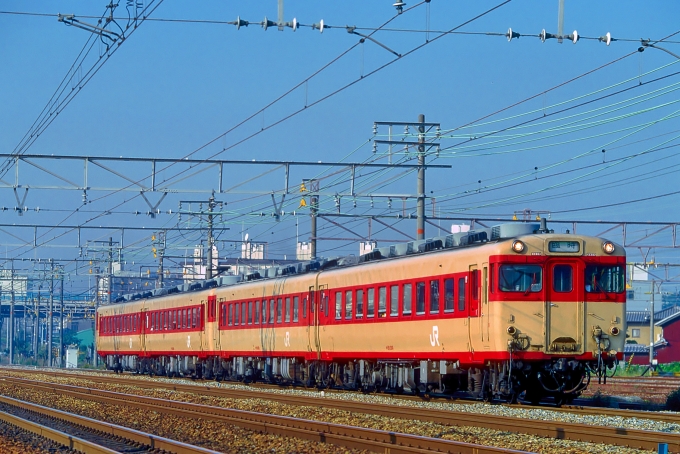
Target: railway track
[350,405]
[624,437]
[337,434]
[84,434]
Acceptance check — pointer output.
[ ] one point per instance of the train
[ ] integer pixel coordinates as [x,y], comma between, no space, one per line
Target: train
[511,312]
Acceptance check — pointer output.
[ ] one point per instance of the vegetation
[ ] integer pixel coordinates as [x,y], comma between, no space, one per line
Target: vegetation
[633,370]
[673,401]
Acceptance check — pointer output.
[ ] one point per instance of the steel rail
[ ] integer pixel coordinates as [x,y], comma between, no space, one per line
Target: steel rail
[336,434]
[559,430]
[61,438]
[109,429]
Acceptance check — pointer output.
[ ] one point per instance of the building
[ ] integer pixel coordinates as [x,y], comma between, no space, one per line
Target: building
[666,336]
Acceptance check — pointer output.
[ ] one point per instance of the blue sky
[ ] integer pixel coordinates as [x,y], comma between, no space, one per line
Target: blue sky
[174,86]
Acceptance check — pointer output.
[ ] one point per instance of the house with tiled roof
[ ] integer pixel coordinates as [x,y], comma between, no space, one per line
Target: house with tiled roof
[666,336]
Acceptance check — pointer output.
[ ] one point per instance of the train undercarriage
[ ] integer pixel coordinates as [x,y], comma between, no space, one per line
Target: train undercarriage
[561,379]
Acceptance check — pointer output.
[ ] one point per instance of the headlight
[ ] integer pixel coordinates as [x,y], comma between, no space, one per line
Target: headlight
[517,246]
[614,331]
[608,247]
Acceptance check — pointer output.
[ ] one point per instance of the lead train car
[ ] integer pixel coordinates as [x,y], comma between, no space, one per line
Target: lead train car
[510,311]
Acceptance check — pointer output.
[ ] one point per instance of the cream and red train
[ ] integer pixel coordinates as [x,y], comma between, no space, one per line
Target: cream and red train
[492,312]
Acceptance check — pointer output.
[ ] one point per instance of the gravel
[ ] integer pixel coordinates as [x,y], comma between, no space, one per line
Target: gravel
[229,439]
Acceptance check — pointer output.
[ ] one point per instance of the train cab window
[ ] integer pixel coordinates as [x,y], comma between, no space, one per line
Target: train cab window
[272,310]
[420,298]
[394,300]
[296,308]
[287,319]
[348,305]
[605,279]
[382,301]
[448,295]
[408,298]
[461,294]
[338,305]
[263,313]
[370,307]
[279,310]
[434,297]
[360,304]
[520,278]
[250,312]
[562,278]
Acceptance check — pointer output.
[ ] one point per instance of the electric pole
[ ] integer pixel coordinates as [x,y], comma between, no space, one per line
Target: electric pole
[420,190]
[423,150]
[210,213]
[11,321]
[49,316]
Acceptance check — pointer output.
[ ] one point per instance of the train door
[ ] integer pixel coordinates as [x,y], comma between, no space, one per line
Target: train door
[320,310]
[310,302]
[564,306]
[484,297]
[473,290]
[144,327]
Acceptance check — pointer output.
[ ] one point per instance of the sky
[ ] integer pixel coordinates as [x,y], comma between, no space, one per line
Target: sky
[523,124]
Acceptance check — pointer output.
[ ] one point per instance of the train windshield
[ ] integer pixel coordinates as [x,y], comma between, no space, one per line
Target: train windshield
[520,278]
[605,278]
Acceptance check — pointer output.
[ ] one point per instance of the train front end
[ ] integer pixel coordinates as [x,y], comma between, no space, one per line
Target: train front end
[562,311]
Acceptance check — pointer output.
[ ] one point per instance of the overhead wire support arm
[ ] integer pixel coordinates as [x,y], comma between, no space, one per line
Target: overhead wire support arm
[352,30]
[70,19]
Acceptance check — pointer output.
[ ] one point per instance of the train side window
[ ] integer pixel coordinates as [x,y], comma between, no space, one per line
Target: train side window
[272,310]
[305,299]
[244,313]
[287,319]
[230,315]
[461,294]
[394,300]
[279,310]
[434,297]
[296,308]
[250,312]
[563,278]
[174,320]
[338,305]
[237,314]
[370,309]
[420,298]
[360,304]
[263,313]
[408,298]
[256,312]
[382,301]
[448,294]
[348,305]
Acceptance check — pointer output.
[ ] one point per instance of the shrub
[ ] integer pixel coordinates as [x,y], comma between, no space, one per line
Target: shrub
[673,401]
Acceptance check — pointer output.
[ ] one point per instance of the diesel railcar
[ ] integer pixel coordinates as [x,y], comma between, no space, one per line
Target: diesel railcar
[503,312]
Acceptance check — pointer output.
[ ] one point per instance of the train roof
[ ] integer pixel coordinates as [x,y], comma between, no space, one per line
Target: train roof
[453,241]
